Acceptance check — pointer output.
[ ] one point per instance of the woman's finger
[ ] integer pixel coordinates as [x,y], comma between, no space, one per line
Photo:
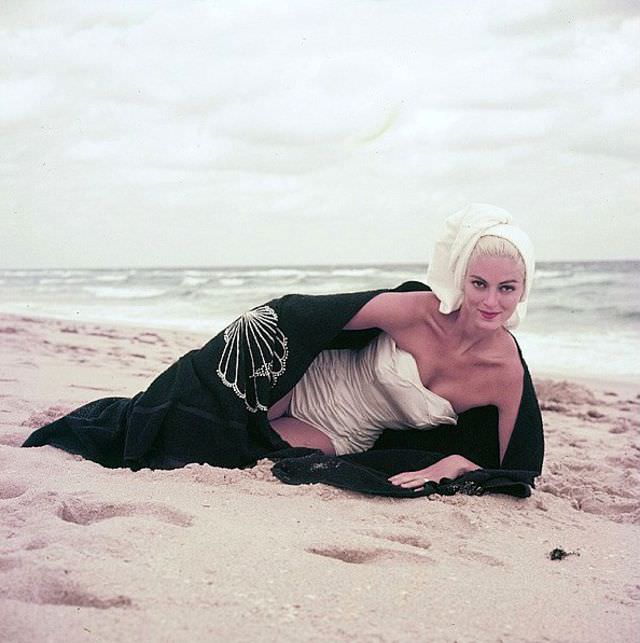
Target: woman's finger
[415,482]
[401,481]
[399,478]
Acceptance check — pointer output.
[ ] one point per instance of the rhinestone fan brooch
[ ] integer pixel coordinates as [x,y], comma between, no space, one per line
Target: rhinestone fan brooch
[255,348]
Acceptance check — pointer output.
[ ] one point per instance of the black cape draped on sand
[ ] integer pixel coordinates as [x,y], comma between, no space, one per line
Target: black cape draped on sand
[211,407]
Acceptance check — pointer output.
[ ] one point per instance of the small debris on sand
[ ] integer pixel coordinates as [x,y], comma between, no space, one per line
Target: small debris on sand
[558,553]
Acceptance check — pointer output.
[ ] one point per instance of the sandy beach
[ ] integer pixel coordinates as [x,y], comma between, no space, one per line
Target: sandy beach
[202,553]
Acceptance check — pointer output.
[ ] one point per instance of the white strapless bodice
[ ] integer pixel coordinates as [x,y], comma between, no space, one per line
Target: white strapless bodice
[352,396]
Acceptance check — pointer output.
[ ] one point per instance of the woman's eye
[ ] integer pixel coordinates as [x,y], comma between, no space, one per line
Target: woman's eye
[478,284]
[507,289]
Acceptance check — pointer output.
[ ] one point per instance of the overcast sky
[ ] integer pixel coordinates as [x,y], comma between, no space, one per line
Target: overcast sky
[146,133]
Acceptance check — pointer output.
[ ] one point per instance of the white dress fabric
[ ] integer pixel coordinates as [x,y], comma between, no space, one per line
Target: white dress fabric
[462,230]
[352,396]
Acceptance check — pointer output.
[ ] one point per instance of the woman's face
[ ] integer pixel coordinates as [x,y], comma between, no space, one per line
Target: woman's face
[493,287]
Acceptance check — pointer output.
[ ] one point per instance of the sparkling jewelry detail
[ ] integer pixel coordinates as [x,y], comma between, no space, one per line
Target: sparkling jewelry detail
[254,344]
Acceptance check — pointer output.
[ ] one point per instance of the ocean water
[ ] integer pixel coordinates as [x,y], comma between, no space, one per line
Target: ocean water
[583,319]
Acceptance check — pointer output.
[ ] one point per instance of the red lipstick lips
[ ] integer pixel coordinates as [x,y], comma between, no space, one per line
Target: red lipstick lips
[488,316]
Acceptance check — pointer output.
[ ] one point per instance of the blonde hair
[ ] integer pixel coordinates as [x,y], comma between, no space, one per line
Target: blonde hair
[492,246]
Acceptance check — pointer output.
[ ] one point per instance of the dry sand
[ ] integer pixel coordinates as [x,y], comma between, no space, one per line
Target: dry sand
[202,553]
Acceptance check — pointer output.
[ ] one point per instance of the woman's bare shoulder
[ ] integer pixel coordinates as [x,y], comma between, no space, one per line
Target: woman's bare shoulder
[429,298]
[507,349]
[510,372]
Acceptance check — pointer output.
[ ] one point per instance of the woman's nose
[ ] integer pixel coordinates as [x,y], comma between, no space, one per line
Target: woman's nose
[491,297]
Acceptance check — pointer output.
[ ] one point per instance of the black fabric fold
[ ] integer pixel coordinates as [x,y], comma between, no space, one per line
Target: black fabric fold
[369,472]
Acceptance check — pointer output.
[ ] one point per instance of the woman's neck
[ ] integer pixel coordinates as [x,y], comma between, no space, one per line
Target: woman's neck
[465,335]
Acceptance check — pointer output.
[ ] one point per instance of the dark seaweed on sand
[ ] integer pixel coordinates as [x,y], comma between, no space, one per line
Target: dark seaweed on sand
[558,553]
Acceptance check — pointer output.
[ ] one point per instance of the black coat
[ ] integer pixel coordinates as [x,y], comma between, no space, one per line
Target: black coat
[211,405]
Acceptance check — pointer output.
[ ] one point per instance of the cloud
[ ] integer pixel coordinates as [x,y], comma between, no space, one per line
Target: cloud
[547,16]
[610,128]
[329,115]
[23,98]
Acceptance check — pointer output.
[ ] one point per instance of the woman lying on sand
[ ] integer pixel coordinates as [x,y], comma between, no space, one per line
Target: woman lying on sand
[427,366]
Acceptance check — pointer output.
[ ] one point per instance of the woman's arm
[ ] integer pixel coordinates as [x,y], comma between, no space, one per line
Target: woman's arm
[508,393]
[391,311]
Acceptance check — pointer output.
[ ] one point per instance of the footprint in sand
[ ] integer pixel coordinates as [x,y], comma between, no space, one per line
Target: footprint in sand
[412,540]
[620,425]
[479,557]
[463,525]
[36,543]
[629,596]
[9,490]
[41,586]
[40,418]
[85,513]
[420,542]
[360,556]
[150,338]
[7,564]
[86,387]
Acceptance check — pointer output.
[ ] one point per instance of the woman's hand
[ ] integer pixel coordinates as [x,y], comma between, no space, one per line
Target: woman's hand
[450,467]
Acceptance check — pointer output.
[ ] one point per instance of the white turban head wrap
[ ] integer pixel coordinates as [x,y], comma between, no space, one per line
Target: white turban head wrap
[448,265]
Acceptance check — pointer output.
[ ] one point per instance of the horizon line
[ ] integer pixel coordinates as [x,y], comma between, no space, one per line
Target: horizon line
[296,266]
